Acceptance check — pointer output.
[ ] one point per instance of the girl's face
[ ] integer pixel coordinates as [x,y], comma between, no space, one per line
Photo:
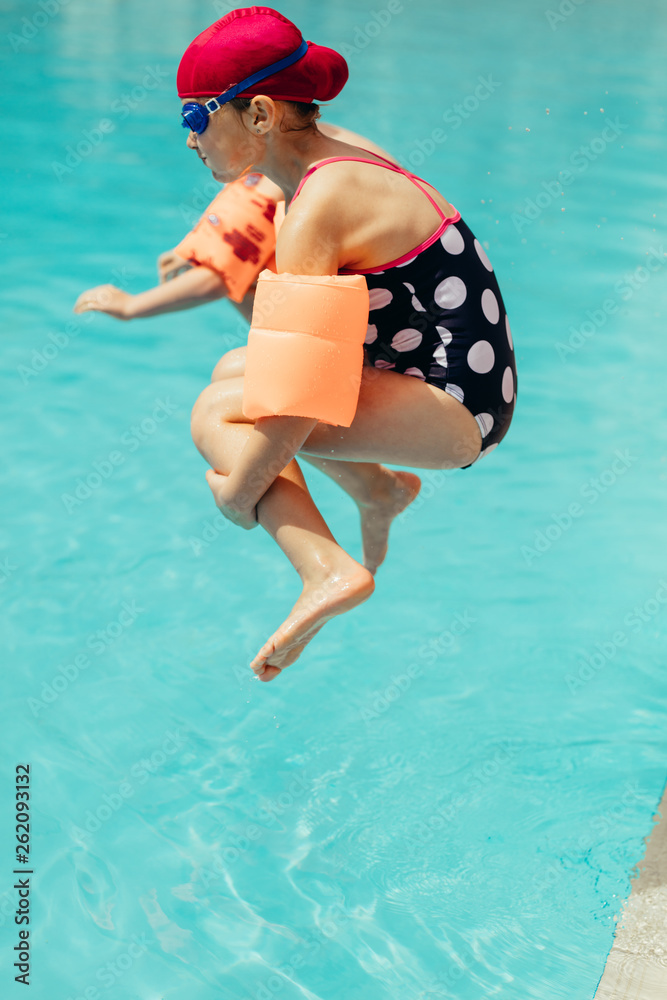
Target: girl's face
[226,146]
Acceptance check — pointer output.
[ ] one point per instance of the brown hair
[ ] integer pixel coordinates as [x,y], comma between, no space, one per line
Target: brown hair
[305,114]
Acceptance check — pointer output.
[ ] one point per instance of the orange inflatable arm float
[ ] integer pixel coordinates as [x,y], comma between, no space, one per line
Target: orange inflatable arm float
[306,347]
[236,235]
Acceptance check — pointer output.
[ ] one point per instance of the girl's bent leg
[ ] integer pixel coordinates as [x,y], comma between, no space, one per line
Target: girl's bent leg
[379,493]
[333,582]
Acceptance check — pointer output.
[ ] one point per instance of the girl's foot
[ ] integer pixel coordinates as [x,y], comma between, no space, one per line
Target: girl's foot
[397,490]
[341,590]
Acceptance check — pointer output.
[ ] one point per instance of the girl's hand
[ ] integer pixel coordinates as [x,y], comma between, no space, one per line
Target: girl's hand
[244,517]
[170,264]
[107,299]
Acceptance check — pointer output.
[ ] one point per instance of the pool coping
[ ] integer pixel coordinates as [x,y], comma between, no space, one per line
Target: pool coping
[636,967]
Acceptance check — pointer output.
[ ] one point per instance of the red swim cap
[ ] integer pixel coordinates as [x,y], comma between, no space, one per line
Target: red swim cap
[253,38]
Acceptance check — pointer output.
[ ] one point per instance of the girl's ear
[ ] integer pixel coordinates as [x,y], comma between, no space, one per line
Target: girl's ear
[263,112]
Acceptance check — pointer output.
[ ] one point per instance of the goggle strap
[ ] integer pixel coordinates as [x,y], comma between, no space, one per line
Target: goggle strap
[250,81]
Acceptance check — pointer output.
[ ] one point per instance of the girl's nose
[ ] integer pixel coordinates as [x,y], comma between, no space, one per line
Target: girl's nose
[192,140]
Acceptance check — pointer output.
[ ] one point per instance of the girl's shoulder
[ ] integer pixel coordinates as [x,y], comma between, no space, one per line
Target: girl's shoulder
[360,174]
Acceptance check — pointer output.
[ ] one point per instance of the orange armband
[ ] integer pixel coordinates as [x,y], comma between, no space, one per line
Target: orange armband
[278,220]
[235,236]
[306,347]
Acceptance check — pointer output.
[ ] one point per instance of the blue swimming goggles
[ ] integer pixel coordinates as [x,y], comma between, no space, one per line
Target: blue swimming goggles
[195,116]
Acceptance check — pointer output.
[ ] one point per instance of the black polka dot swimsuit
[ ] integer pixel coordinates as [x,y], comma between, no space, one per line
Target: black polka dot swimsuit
[437,314]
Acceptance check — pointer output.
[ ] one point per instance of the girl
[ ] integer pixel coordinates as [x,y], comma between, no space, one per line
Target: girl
[439,387]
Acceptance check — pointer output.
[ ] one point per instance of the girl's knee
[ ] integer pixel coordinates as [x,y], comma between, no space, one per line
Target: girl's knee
[218,402]
[204,409]
[231,363]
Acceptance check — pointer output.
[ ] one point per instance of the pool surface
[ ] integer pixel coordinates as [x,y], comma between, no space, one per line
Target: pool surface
[445,797]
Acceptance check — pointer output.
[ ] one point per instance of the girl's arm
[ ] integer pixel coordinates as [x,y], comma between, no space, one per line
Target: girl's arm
[272,444]
[307,244]
[194,287]
[169,264]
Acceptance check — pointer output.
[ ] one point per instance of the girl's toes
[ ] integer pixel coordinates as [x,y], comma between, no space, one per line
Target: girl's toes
[269,673]
[259,665]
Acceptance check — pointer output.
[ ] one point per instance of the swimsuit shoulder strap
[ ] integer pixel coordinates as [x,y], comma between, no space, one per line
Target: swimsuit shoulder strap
[322,163]
[387,163]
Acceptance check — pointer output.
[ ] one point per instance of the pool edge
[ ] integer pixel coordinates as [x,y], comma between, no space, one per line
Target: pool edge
[633,970]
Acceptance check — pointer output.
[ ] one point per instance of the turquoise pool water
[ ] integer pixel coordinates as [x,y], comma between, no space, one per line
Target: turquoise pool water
[446,795]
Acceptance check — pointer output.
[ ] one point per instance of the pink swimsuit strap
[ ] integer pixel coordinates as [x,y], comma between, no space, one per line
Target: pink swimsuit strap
[444,220]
